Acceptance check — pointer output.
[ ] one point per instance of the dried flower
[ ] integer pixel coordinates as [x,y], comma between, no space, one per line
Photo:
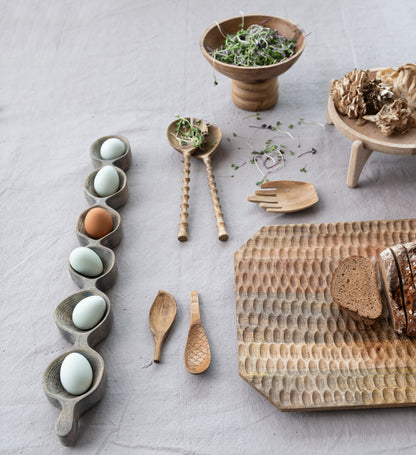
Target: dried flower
[348,94]
[377,93]
[403,81]
[395,117]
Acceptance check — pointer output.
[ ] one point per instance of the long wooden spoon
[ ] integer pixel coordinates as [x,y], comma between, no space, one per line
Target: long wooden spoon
[175,133]
[161,316]
[205,153]
[197,351]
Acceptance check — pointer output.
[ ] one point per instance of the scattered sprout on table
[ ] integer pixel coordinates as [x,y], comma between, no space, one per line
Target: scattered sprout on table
[272,156]
[312,151]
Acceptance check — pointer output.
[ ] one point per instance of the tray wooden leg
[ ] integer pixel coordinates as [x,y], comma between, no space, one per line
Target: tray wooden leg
[358,158]
[328,120]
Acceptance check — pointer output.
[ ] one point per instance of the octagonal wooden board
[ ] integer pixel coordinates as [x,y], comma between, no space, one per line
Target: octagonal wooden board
[295,346]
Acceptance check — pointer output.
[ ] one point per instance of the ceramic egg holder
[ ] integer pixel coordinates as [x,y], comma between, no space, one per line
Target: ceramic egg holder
[83,341]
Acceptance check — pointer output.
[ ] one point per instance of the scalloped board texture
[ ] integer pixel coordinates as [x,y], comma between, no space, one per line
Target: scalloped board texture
[295,346]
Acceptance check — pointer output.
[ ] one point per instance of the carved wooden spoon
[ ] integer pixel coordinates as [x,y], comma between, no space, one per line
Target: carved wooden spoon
[285,196]
[205,153]
[176,136]
[197,351]
[161,316]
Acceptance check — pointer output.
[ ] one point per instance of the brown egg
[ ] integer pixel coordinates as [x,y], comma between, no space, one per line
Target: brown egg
[98,223]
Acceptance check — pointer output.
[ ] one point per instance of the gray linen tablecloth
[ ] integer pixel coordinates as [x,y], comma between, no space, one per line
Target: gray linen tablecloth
[71,72]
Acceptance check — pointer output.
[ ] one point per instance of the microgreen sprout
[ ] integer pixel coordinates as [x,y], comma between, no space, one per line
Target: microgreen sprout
[272,155]
[303,122]
[312,151]
[273,128]
[187,133]
[255,46]
[256,114]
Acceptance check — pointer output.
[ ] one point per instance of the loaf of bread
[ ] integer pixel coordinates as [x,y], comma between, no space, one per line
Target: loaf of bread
[354,288]
[393,289]
[406,256]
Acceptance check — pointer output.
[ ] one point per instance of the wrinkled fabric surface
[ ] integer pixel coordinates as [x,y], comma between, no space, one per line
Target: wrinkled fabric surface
[71,72]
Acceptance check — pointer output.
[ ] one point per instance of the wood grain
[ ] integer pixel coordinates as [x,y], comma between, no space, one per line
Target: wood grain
[183,223]
[83,340]
[211,145]
[253,88]
[197,350]
[162,314]
[285,196]
[295,346]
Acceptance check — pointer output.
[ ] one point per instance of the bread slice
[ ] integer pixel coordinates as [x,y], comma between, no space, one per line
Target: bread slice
[409,287]
[354,289]
[392,286]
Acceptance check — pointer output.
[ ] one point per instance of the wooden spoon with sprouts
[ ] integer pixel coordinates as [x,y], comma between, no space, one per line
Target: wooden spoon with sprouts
[185,135]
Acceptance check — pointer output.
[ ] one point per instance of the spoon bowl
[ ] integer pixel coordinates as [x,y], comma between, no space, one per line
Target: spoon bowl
[211,143]
[205,153]
[285,196]
[161,316]
[197,351]
[175,131]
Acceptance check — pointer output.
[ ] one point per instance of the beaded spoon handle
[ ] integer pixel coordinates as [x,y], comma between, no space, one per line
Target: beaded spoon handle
[185,135]
[205,154]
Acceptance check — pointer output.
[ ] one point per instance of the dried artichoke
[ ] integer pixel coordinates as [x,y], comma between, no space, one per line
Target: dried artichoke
[396,117]
[348,94]
[403,81]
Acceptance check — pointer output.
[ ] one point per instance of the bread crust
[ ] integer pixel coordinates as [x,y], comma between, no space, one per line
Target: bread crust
[392,288]
[409,287]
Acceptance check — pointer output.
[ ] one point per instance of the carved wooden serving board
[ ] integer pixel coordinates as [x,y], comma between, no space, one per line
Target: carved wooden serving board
[295,346]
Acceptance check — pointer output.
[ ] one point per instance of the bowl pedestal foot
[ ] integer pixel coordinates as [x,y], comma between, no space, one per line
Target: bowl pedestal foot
[255,96]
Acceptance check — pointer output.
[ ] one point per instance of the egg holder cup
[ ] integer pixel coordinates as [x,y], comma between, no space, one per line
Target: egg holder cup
[83,341]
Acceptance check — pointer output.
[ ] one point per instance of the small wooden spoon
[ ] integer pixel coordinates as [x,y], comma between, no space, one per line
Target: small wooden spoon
[187,151]
[197,351]
[161,316]
[211,144]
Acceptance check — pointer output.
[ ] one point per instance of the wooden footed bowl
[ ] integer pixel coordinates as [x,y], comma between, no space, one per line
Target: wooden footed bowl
[253,88]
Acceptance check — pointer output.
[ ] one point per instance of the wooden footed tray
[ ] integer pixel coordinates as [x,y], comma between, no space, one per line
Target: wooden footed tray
[295,346]
[367,138]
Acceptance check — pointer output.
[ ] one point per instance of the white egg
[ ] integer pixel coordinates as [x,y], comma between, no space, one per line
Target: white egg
[88,312]
[112,148]
[86,261]
[76,374]
[106,181]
